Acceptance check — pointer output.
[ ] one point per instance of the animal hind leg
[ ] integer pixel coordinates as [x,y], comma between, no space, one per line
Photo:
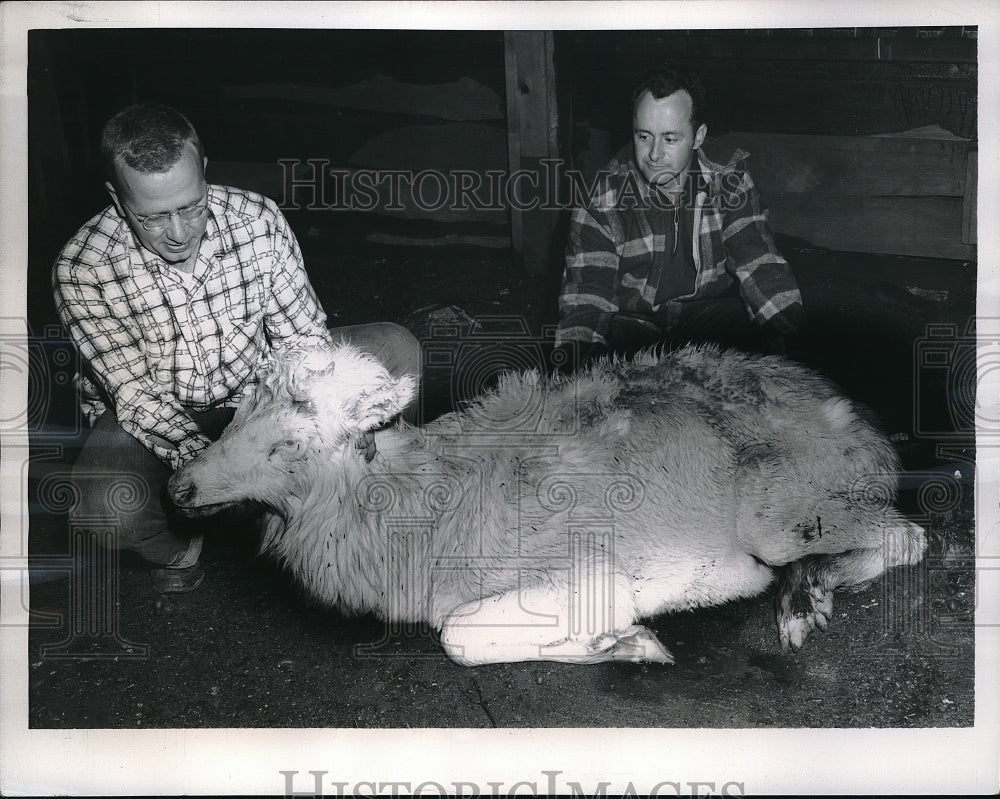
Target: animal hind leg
[541,623]
[804,601]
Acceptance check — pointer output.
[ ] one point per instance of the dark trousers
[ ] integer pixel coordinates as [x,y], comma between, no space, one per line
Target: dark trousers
[121,483]
[722,321]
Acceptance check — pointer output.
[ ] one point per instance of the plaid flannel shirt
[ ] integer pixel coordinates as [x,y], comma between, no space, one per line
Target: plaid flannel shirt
[614,256]
[152,345]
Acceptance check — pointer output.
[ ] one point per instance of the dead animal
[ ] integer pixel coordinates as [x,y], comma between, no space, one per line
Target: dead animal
[548,517]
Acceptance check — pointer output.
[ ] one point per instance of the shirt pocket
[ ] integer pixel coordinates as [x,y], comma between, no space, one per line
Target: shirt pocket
[244,325]
[243,341]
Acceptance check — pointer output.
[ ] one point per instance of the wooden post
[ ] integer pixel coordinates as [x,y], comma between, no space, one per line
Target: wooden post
[532,135]
[969,206]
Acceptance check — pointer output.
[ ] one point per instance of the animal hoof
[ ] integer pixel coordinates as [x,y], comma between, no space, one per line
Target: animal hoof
[636,644]
[795,628]
[822,602]
[639,645]
[802,605]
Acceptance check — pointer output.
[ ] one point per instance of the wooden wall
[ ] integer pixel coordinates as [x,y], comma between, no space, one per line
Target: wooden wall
[893,195]
[860,139]
[824,82]
[348,100]
[489,101]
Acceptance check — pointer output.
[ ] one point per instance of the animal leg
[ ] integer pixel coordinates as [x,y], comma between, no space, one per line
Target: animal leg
[635,643]
[805,587]
[803,601]
[541,624]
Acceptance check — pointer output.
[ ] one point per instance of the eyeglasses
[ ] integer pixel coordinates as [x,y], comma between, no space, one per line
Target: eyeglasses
[189,213]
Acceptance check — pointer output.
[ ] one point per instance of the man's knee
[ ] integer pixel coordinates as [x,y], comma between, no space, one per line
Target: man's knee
[118,482]
[395,346]
[402,350]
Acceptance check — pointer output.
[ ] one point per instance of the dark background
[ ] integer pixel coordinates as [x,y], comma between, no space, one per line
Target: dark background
[257,96]
[248,649]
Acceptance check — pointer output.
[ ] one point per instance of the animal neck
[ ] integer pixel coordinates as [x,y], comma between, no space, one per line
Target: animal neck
[325,537]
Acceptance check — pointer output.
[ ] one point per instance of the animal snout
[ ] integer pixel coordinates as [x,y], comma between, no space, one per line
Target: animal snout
[182,490]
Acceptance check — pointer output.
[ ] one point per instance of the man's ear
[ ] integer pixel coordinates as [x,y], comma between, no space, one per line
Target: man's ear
[699,135]
[115,199]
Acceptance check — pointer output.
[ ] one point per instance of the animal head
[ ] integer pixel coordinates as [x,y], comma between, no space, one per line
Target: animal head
[310,403]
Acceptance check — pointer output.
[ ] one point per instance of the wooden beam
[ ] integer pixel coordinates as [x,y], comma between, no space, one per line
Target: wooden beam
[532,135]
[923,227]
[878,194]
[874,166]
[463,100]
[970,206]
[709,46]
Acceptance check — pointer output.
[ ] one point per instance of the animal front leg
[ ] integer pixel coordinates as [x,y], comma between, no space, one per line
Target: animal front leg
[540,624]
[804,602]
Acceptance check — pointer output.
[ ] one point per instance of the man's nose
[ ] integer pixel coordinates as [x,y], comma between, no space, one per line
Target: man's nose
[177,228]
[656,150]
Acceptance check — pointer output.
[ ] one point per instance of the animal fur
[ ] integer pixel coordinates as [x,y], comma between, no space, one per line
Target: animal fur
[550,515]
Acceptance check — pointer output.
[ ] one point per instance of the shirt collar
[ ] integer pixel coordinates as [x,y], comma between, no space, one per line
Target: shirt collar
[695,181]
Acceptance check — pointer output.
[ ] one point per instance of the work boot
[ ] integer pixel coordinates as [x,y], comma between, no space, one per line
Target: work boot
[170,580]
[184,574]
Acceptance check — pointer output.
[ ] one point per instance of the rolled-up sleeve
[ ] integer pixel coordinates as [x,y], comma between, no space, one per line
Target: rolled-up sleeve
[766,282]
[114,354]
[587,299]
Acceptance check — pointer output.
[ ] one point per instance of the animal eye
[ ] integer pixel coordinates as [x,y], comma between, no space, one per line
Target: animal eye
[285,448]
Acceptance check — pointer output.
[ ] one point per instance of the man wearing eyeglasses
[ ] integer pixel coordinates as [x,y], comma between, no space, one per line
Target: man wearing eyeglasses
[173,295]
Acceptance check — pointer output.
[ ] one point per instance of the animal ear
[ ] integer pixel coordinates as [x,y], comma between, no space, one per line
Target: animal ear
[317,361]
[315,365]
[378,405]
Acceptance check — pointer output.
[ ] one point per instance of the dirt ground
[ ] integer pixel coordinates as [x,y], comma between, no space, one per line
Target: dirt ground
[248,650]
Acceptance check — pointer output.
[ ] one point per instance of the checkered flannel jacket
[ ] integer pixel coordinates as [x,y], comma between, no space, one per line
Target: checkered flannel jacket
[151,345]
[613,252]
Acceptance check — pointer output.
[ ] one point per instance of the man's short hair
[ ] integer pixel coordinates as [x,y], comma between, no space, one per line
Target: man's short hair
[667,79]
[149,137]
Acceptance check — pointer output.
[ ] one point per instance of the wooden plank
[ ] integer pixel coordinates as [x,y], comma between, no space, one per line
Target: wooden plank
[853,166]
[512,44]
[894,144]
[462,100]
[532,134]
[780,83]
[707,46]
[431,195]
[892,195]
[454,170]
[447,147]
[930,49]
[922,227]
[970,201]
